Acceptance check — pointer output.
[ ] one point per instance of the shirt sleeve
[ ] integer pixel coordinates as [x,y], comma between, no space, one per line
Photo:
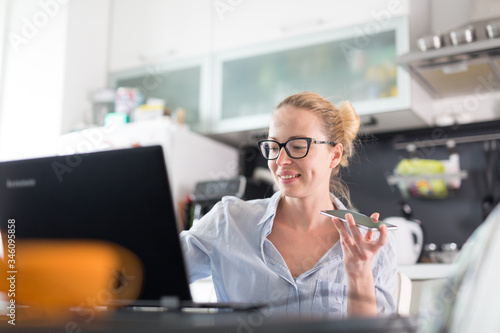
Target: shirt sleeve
[385,275]
[198,243]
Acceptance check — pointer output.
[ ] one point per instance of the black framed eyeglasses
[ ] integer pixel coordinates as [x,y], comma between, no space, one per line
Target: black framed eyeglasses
[295,148]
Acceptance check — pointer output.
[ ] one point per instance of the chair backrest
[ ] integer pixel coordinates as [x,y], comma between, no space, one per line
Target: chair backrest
[402,294]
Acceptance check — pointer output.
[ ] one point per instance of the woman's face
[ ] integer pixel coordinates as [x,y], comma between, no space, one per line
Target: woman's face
[310,175]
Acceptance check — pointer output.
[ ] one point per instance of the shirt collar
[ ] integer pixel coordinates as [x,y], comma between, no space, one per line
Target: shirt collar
[273,206]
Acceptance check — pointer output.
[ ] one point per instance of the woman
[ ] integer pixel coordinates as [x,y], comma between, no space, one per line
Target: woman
[280,250]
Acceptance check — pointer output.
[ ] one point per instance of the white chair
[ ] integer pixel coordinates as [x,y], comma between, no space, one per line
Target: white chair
[402,294]
[203,290]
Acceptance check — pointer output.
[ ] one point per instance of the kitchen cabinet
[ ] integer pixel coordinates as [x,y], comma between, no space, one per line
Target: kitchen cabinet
[238,23]
[236,90]
[303,32]
[348,63]
[151,31]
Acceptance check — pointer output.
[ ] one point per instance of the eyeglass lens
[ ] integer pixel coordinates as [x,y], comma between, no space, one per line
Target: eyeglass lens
[295,148]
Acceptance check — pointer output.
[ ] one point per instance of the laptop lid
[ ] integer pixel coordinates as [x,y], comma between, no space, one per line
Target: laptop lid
[122,196]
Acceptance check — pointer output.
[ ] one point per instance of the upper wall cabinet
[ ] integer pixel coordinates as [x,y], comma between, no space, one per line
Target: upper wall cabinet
[151,31]
[355,63]
[236,90]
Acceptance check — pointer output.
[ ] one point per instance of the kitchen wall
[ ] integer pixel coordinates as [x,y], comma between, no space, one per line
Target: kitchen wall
[463,11]
[451,219]
[3,26]
[52,60]
[31,79]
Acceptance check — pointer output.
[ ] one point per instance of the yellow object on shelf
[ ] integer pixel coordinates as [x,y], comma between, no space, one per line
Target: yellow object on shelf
[148,112]
[426,186]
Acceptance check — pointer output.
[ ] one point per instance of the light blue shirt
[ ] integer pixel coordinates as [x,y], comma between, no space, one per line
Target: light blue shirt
[230,244]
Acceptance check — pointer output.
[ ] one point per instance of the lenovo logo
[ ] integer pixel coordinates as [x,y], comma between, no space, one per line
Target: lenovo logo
[21,183]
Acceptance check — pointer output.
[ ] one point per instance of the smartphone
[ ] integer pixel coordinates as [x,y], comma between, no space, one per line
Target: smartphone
[361,220]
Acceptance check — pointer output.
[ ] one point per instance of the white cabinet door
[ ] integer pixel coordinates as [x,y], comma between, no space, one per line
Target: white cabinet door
[238,23]
[151,31]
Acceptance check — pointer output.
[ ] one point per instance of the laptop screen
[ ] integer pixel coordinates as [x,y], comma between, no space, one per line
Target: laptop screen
[122,196]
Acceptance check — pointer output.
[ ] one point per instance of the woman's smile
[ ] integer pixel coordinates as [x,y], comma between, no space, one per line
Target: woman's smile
[287,177]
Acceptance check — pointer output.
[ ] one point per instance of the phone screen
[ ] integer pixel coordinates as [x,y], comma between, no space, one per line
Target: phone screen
[361,220]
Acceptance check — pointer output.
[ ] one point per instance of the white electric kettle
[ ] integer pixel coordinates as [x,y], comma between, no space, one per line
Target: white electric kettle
[409,239]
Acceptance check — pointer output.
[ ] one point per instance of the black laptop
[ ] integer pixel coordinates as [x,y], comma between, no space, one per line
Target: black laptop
[122,196]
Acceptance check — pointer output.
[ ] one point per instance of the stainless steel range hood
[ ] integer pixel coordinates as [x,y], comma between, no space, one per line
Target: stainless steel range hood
[471,68]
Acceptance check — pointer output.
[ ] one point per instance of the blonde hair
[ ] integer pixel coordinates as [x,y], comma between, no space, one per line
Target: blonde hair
[340,124]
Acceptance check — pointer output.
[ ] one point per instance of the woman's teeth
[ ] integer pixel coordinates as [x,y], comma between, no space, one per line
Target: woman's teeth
[289,176]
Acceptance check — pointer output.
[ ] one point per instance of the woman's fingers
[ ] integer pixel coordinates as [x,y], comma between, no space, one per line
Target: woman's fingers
[344,235]
[382,229]
[382,240]
[353,240]
[351,225]
[369,236]
[369,233]
[351,236]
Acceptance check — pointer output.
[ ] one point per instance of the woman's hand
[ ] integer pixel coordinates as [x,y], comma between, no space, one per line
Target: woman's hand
[358,252]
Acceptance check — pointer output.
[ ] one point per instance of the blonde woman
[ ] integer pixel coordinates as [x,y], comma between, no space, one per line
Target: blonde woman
[280,250]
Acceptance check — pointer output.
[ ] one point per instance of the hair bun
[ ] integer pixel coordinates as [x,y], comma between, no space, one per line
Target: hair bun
[350,126]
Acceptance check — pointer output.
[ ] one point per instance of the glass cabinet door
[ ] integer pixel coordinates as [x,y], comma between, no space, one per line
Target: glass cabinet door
[180,84]
[346,64]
